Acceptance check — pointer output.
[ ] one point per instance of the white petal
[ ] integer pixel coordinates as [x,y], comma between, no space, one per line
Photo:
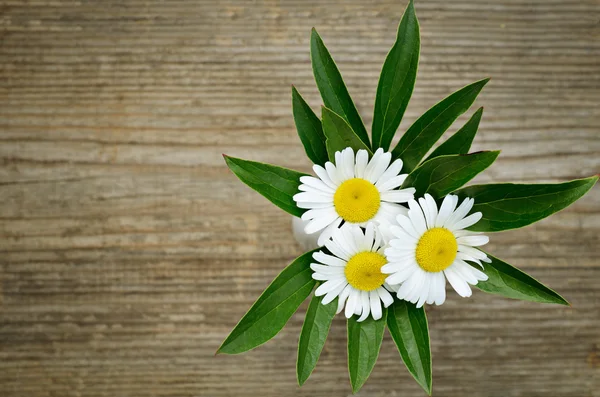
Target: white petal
[473,241]
[353,300]
[433,210]
[365,304]
[426,212]
[376,311]
[316,183]
[464,271]
[394,267]
[333,173]
[312,189]
[385,296]
[362,158]
[380,166]
[329,259]
[398,196]
[424,292]
[392,171]
[468,221]
[320,223]
[324,269]
[459,213]
[329,286]
[391,183]
[474,252]
[328,231]
[333,290]
[440,291]
[348,163]
[313,197]
[460,286]
[322,174]
[312,205]
[322,277]
[342,297]
[335,249]
[407,225]
[446,209]
[402,236]
[402,275]
[416,216]
[318,213]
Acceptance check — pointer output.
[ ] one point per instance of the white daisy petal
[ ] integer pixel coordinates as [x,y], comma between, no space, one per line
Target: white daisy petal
[333,289]
[320,223]
[375,303]
[362,158]
[416,216]
[329,259]
[328,231]
[392,171]
[366,306]
[473,241]
[385,296]
[407,225]
[398,196]
[460,286]
[348,163]
[323,176]
[318,213]
[313,197]
[446,210]
[468,221]
[353,300]
[342,298]
[333,173]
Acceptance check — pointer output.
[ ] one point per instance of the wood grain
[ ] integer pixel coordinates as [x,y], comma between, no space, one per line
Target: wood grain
[128,251]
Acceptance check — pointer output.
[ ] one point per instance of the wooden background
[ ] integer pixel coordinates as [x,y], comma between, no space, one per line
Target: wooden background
[128,251]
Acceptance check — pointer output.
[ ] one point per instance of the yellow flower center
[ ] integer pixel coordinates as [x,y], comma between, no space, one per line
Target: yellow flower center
[436,249]
[363,271]
[356,200]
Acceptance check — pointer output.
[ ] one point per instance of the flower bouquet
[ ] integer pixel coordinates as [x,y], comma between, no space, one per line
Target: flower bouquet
[393,227]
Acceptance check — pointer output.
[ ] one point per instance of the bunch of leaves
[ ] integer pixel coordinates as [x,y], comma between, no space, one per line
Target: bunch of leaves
[446,170]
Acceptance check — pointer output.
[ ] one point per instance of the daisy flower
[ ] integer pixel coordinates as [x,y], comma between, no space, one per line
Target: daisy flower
[430,247]
[352,272]
[354,191]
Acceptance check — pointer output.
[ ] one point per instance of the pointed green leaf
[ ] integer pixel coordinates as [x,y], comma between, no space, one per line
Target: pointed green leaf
[274,307]
[312,338]
[510,282]
[332,88]
[444,174]
[461,141]
[339,134]
[424,133]
[408,327]
[509,206]
[397,80]
[364,342]
[277,184]
[309,129]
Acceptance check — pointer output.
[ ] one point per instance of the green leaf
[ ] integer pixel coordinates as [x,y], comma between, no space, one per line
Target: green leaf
[509,206]
[424,133]
[339,134]
[397,80]
[510,282]
[277,184]
[309,129]
[332,88]
[364,342]
[273,308]
[312,338]
[408,327]
[461,141]
[444,174]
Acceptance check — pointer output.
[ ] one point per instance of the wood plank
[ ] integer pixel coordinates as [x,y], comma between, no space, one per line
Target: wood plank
[128,250]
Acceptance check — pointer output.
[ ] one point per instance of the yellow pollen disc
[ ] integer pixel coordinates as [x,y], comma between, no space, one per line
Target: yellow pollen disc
[436,249]
[356,200]
[363,271]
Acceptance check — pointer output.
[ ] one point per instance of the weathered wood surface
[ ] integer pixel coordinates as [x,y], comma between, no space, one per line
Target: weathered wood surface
[128,251]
